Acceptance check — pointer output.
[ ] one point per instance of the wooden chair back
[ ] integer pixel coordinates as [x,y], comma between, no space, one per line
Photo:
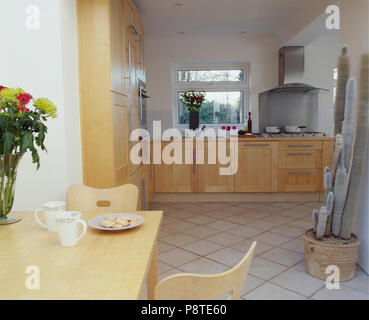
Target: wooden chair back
[118,199]
[206,287]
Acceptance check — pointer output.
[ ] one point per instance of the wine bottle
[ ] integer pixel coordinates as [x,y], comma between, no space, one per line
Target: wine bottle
[249,124]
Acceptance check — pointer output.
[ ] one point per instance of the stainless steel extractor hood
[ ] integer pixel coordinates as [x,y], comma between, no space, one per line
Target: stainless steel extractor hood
[292,71]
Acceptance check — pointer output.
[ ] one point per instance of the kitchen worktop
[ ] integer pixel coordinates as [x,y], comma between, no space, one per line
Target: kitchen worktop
[260,138]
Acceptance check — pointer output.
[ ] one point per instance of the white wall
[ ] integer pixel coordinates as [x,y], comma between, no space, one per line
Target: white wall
[355,33]
[161,52]
[321,57]
[44,63]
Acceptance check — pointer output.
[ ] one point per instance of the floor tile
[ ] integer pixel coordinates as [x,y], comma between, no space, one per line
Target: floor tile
[199,209]
[262,225]
[203,266]
[283,257]
[245,231]
[301,224]
[268,210]
[164,232]
[201,232]
[221,225]
[245,245]
[162,247]
[360,282]
[169,219]
[177,257]
[182,205]
[265,269]
[285,205]
[181,225]
[271,238]
[294,213]
[278,218]
[240,219]
[178,239]
[269,291]
[224,238]
[287,231]
[202,247]
[181,214]
[200,219]
[214,205]
[300,266]
[163,267]
[234,209]
[250,204]
[251,283]
[219,214]
[296,245]
[299,282]
[304,208]
[344,293]
[227,256]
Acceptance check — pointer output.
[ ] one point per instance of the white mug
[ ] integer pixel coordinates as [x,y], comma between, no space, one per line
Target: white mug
[50,209]
[67,224]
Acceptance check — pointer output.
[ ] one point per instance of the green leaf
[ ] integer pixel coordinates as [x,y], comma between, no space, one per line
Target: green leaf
[8,142]
[26,141]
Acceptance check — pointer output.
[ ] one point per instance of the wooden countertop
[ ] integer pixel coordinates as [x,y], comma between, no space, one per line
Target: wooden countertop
[258,139]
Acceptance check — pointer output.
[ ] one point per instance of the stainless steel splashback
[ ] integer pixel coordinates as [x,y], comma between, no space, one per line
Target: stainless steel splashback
[289,108]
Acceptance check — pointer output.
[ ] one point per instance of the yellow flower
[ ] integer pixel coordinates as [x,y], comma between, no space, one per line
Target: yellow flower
[11,100]
[10,92]
[47,106]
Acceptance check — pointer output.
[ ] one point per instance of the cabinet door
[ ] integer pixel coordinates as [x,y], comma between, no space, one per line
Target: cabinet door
[176,178]
[257,167]
[117,47]
[308,180]
[209,178]
[140,48]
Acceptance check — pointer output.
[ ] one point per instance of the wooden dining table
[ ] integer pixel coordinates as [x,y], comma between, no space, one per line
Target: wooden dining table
[111,265]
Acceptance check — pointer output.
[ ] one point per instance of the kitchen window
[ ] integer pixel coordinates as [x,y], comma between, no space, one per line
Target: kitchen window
[227,93]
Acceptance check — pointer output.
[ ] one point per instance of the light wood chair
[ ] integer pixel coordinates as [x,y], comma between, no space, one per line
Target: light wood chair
[83,198]
[206,287]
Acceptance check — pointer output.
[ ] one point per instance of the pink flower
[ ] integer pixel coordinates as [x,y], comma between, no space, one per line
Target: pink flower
[24,98]
[2,87]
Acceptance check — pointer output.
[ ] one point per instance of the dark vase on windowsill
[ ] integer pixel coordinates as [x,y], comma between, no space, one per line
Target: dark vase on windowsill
[194,120]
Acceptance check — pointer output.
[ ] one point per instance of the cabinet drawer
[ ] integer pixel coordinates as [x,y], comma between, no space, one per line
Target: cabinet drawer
[299,159]
[301,180]
[293,145]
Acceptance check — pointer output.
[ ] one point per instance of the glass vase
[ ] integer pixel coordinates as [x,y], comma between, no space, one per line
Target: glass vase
[8,174]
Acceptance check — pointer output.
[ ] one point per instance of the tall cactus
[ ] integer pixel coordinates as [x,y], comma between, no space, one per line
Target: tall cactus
[324,213]
[343,75]
[338,146]
[360,152]
[344,167]
[328,186]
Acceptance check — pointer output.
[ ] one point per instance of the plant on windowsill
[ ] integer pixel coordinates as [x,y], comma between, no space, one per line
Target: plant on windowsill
[22,129]
[332,242]
[193,100]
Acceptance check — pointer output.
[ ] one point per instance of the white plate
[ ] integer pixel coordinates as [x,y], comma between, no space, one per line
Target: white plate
[94,222]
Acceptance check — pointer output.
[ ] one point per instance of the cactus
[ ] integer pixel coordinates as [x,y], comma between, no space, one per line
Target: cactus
[348,126]
[328,188]
[315,219]
[324,213]
[360,153]
[340,191]
[343,75]
[336,155]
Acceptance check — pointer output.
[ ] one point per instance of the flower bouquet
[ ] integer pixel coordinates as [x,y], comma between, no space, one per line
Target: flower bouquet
[22,129]
[193,100]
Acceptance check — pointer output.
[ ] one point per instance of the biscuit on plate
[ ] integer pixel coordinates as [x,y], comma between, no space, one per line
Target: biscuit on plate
[111,218]
[106,223]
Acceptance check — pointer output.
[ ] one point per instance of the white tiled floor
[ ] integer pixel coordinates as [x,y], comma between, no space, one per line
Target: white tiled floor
[213,237]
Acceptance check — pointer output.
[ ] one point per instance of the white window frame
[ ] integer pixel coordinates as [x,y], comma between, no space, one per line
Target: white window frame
[211,86]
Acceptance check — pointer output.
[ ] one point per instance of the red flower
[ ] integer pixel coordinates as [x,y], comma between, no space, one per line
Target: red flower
[2,87]
[22,108]
[24,98]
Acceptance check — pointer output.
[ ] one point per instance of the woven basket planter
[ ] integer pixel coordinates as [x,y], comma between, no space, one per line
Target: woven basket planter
[319,255]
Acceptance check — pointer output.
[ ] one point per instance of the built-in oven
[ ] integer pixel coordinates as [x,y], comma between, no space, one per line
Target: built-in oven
[142,104]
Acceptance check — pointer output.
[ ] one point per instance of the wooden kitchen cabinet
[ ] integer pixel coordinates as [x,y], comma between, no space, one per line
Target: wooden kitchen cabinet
[292,180]
[175,178]
[257,167]
[108,89]
[209,178]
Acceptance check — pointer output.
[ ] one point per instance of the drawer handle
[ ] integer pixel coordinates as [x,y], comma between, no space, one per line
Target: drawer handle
[300,173]
[301,154]
[300,146]
[256,145]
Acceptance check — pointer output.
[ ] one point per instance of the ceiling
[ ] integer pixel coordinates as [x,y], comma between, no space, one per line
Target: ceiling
[280,18]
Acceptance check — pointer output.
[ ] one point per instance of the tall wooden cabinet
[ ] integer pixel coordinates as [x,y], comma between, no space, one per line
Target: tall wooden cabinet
[109,57]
